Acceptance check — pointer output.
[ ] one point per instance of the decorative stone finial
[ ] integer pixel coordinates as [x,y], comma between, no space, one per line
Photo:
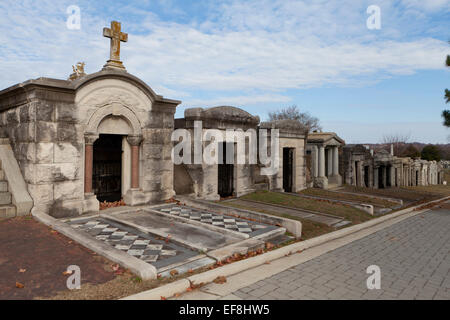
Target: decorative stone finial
[78,71]
[116,36]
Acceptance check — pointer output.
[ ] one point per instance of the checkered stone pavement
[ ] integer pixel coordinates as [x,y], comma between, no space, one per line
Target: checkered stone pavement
[135,243]
[227,222]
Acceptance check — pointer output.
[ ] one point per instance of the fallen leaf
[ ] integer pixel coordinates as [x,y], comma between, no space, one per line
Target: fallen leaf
[189,289]
[173,272]
[269,245]
[19,285]
[177,294]
[115,267]
[22,270]
[190,271]
[163,298]
[119,272]
[220,280]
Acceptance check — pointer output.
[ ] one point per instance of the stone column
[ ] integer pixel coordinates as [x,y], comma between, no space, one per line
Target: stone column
[335,161]
[321,161]
[330,162]
[375,178]
[360,174]
[90,203]
[316,161]
[134,196]
[88,162]
[134,141]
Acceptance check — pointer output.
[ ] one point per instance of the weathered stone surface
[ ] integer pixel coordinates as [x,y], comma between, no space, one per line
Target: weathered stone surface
[44,152]
[41,193]
[65,152]
[46,131]
[44,112]
[68,190]
[67,132]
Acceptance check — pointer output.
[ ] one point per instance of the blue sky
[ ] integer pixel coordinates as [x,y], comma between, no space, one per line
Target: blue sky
[259,55]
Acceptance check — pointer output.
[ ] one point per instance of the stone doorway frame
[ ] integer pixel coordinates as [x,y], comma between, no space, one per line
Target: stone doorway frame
[133,133]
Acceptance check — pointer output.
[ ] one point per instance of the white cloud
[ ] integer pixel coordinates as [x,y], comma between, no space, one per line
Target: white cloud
[373,132]
[263,47]
[237,100]
[428,5]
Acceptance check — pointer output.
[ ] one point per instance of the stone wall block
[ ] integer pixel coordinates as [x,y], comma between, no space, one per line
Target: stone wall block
[44,152]
[45,131]
[12,116]
[66,152]
[41,193]
[66,112]
[45,111]
[27,113]
[68,190]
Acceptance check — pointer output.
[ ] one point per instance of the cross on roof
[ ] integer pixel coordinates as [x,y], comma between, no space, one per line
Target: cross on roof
[116,36]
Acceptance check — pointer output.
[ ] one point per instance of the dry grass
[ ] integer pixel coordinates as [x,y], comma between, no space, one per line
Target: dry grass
[348,197]
[310,229]
[439,189]
[405,194]
[122,286]
[347,212]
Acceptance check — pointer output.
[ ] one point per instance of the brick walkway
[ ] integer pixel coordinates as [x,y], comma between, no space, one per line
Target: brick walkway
[414,257]
[45,255]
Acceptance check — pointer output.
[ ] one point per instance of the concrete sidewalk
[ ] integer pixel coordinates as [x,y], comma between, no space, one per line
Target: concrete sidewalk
[412,252]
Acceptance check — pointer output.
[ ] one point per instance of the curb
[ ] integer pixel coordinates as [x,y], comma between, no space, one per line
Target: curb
[143,270]
[181,286]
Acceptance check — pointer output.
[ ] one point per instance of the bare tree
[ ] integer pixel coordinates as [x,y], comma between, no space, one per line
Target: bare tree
[398,140]
[307,121]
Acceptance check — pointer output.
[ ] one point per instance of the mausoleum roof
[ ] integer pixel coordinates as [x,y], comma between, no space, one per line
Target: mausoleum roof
[324,137]
[67,85]
[221,113]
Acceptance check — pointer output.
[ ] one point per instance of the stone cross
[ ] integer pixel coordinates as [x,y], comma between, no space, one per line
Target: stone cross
[116,36]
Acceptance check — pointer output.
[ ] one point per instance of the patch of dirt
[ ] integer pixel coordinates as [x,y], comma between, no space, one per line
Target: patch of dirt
[35,257]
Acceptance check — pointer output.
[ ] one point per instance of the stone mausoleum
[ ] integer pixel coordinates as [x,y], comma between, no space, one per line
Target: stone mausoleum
[363,167]
[225,179]
[67,145]
[323,151]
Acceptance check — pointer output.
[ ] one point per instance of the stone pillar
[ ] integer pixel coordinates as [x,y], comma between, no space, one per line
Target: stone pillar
[360,169]
[134,141]
[329,162]
[88,162]
[320,181]
[376,172]
[134,196]
[321,161]
[316,161]
[335,161]
[90,203]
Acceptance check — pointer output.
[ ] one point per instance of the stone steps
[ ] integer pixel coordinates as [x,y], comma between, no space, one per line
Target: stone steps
[7,211]
[5,198]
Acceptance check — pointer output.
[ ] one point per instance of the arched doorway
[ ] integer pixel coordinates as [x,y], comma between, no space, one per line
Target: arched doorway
[225,171]
[112,143]
[107,168]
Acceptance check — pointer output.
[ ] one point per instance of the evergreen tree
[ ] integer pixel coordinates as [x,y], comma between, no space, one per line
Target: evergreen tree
[431,152]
